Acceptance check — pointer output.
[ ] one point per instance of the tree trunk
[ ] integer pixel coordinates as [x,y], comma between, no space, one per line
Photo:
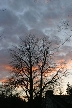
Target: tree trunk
[31,92]
[31,84]
[41,86]
[41,89]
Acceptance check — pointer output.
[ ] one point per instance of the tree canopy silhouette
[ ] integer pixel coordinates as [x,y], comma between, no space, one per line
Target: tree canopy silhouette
[32,66]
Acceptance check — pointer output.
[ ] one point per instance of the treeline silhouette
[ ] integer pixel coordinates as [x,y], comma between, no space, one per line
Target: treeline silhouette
[16,102]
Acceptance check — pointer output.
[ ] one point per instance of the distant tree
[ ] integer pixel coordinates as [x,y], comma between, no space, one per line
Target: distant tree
[69,89]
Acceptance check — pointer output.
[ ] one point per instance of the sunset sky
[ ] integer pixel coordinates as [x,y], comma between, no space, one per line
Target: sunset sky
[18,18]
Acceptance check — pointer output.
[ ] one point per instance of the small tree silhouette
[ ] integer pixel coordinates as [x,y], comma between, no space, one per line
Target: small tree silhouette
[69,89]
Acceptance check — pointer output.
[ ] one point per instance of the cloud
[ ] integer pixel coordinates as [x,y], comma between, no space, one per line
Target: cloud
[23,17]
[8,18]
[30,19]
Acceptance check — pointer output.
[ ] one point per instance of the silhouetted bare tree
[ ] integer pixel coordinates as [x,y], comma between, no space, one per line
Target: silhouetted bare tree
[32,66]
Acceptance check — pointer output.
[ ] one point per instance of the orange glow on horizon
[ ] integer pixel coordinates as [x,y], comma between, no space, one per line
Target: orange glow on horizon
[7,67]
[50,71]
[3,80]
